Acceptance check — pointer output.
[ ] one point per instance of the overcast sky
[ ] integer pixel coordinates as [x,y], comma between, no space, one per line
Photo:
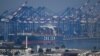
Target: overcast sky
[55,5]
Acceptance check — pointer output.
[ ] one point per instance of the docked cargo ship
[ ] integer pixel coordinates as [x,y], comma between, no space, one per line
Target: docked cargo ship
[74,27]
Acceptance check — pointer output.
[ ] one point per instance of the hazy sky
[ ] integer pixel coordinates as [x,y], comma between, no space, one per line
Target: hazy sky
[55,5]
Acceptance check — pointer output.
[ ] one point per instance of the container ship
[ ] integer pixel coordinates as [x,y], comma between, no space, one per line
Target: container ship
[72,28]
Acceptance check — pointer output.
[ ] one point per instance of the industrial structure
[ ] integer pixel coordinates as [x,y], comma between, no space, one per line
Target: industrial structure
[41,26]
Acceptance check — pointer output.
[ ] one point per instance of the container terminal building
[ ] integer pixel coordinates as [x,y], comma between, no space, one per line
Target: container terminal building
[74,27]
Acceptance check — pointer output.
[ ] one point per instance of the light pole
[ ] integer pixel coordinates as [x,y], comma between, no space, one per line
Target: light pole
[26,42]
[26,39]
